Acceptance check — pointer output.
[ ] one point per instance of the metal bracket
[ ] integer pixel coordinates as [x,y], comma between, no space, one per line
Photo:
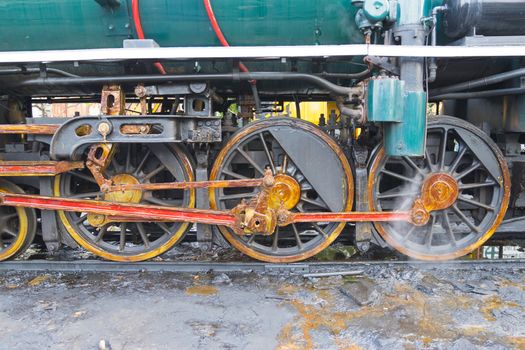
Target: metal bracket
[363,230]
[75,135]
[204,232]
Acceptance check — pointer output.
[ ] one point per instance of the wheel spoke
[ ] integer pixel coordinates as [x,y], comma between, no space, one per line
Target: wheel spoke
[81,219]
[128,159]
[313,202]
[10,232]
[443,150]
[414,166]
[456,161]
[476,203]
[430,232]
[101,233]
[122,244]
[429,161]
[267,151]
[87,195]
[396,193]
[284,166]
[143,235]
[320,230]
[476,185]
[251,240]
[9,216]
[84,177]
[234,175]
[236,196]
[164,228]
[409,233]
[463,218]
[448,228]
[142,163]
[398,176]
[153,173]
[275,244]
[297,237]
[250,160]
[467,171]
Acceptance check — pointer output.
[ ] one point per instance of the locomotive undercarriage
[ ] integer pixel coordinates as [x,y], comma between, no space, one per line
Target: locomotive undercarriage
[128,188]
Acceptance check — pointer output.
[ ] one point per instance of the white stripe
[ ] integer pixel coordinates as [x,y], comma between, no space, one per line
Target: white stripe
[257,52]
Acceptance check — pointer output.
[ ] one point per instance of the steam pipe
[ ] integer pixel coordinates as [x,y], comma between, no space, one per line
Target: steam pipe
[478,94]
[284,76]
[10,71]
[473,84]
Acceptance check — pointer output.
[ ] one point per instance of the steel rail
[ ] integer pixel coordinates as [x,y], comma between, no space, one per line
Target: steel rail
[258,52]
[219,267]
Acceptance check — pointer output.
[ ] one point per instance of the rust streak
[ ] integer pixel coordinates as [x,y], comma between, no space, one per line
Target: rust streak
[38,168]
[33,129]
[188,185]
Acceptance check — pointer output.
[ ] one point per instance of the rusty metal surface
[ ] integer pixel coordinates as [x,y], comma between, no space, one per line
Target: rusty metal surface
[113,100]
[29,129]
[37,168]
[187,185]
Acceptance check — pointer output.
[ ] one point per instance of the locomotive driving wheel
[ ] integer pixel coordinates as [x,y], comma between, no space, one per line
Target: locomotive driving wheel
[311,175]
[466,176]
[131,164]
[17,225]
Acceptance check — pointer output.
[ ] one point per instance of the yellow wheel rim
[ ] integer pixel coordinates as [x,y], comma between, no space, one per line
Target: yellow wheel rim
[18,243]
[176,236]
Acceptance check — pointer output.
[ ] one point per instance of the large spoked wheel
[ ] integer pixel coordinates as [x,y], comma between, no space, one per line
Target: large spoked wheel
[313,176]
[17,225]
[131,164]
[466,156]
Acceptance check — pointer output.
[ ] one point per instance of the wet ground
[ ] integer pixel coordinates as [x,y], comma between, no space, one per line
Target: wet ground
[386,307]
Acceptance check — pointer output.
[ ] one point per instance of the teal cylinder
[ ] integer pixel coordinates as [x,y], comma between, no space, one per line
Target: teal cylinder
[408,137]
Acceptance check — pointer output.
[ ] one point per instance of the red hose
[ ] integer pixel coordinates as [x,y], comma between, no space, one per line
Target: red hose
[218,32]
[140,31]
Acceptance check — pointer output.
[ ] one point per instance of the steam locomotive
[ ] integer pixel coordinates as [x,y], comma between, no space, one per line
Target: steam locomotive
[422,150]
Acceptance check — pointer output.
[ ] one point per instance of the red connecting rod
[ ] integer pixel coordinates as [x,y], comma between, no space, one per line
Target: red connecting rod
[132,212]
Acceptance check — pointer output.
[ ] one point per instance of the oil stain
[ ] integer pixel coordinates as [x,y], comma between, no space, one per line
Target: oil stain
[202,290]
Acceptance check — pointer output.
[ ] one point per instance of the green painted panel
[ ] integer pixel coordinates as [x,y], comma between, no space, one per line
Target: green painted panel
[385,100]
[75,24]
[408,137]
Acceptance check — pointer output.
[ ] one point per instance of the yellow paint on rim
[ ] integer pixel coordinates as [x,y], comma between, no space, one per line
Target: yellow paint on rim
[348,187]
[86,244]
[14,248]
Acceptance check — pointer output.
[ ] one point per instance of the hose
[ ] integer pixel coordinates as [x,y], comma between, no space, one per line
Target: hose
[218,32]
[140,32]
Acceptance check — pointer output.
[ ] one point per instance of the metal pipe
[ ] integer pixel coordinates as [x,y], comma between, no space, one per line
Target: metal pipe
[10,71]
[334,88]
[473,84]
[478,94]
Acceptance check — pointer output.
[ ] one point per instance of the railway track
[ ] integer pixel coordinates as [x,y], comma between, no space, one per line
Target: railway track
[225,267]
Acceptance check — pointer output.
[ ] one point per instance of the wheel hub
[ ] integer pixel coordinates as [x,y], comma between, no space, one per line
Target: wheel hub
[285,191]
[439,191]
[126,196]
